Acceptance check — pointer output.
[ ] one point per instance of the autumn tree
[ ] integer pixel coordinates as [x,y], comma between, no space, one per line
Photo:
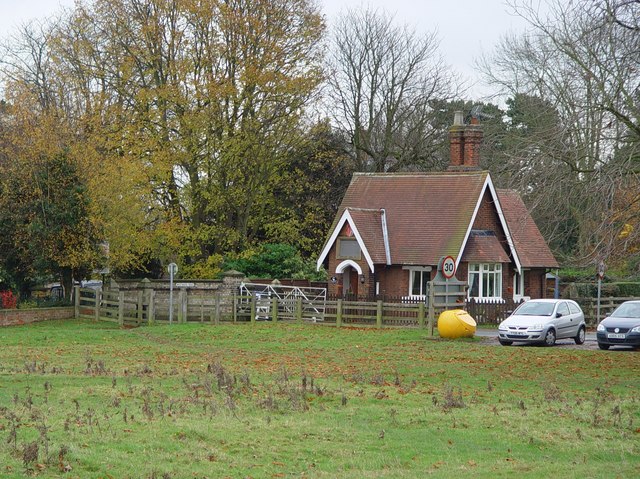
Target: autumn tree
[185,114]
[45,222]
[310,191]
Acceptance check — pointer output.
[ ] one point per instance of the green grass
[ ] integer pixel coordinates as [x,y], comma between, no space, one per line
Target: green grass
[91,400]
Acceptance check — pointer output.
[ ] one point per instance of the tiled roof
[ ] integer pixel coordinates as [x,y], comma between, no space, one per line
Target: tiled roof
[369,225]
[532,249]
[427,214]
[485,249]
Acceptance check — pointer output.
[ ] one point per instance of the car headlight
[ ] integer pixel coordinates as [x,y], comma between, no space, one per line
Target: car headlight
[601,327]
[636,329]
[536,327]
[502,326]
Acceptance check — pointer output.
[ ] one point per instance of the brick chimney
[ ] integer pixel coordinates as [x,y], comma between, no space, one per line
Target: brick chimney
[465,141]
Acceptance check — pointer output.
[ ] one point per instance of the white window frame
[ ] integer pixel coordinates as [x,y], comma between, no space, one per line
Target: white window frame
[493,269]
[425,278]
[518,286]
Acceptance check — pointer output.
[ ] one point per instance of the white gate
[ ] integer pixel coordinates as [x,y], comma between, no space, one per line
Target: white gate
[287,299]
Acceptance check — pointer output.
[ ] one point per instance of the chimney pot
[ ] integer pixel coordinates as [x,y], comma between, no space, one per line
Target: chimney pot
[465,141]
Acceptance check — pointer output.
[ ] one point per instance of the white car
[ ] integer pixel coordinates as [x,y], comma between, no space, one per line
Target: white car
[544,321]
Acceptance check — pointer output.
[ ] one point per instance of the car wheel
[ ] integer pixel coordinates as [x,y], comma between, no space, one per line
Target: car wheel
[603,346]
[550,337]
[579,339]
[505,343]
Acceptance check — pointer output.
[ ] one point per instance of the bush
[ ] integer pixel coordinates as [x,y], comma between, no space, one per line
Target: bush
[34,303]
[273,261]
[628,289]
[616,290]
[9,300]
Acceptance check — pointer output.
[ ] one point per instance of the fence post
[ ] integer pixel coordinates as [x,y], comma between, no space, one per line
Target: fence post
[339,313]
[298,312]
[235,307]
[379,315]
[76,301]
[202,297]
[151,309]
[121,307]
[432,312]
[98,300]
[274,309]
[139,315]
[253,309]
[421,315]
[217,313]
[183,312]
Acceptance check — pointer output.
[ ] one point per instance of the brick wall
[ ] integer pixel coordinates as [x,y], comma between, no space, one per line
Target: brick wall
[534,283]
[487,218]
[394,281]
[15,317]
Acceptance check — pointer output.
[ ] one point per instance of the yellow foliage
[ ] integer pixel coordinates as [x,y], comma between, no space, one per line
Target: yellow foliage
[627,229]
[207,269]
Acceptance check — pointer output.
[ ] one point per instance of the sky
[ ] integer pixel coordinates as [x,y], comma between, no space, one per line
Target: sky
[466,28]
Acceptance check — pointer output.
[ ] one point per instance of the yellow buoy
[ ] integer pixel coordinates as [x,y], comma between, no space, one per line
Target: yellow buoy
[456,323]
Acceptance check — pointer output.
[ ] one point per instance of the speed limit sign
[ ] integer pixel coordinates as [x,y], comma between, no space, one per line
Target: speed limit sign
[448,267]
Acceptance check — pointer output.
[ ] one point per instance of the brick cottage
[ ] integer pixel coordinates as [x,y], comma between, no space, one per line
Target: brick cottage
[392,229]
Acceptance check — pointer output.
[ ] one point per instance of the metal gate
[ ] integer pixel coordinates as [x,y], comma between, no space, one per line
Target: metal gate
[291,301]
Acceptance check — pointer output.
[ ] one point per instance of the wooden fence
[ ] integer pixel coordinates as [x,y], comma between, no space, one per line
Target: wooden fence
[151,306]
[148,307]
[607,305]
[490,312]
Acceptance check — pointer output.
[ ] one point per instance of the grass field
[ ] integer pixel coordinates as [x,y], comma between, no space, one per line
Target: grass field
[91,400]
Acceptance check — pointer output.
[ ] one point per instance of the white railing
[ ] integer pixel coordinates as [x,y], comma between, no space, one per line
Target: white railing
[313,300]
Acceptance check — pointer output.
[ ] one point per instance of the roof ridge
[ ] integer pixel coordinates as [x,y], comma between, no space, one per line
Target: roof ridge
[355,208]
[418,174]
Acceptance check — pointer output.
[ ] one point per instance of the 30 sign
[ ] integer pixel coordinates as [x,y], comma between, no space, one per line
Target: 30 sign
[448,267]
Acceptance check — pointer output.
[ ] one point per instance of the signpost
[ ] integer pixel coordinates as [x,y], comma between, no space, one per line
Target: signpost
[448,267]
[173,269]
[601,269]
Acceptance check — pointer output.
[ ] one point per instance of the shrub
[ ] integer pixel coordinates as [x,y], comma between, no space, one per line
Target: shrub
[628,289]
[273,261]
[9,300]
[617,289]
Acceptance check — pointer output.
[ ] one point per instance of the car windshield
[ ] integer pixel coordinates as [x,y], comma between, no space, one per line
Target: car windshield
[533,308]
[627,310]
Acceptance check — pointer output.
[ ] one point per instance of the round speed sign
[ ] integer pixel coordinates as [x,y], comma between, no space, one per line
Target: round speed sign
[449,267]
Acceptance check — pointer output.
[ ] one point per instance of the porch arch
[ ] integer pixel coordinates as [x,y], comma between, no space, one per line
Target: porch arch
[346,263]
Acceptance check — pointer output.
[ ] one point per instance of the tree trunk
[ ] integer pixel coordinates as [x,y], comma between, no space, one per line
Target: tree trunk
[67,283]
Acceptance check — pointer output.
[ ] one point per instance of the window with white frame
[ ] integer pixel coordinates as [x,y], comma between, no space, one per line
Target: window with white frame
[485,280]
[418,281]
[518,286]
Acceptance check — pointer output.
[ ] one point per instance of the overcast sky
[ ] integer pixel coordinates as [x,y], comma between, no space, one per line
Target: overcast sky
[466,28]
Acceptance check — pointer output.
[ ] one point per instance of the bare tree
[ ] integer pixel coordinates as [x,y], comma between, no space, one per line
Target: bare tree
[382,78]
[582,59]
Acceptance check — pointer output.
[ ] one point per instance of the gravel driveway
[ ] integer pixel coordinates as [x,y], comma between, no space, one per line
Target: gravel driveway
[490,338]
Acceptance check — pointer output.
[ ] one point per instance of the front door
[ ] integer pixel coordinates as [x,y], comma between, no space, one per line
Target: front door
[350,282]
[353,280]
